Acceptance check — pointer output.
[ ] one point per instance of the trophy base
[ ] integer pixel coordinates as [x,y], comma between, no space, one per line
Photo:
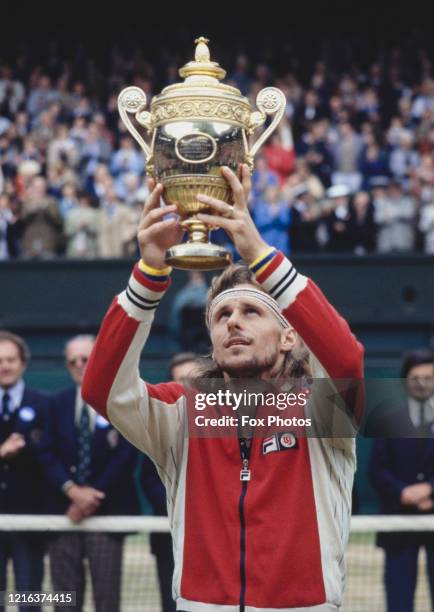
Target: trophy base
[202,257]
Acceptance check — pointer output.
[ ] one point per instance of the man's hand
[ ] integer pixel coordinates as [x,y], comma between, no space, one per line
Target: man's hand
[236,220]
[416,494]
[426,505]
[13,445]
[155,234]
[87,499]
[74,513]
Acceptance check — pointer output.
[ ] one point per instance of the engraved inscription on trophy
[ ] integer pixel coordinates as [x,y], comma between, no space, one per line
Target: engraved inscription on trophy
[196,148]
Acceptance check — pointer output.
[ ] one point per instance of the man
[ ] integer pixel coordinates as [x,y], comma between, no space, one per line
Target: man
[346,152]
[181,367]
[253,530]
[337,219]
[89,467]
[395,216]
[22,413]
[116,225]
[402,472]
[42,226]
[304,221]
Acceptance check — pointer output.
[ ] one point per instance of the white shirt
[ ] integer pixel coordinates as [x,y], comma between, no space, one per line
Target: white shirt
[414,411]
[16,393]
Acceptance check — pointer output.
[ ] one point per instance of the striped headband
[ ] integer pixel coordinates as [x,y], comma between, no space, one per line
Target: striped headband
[264,298]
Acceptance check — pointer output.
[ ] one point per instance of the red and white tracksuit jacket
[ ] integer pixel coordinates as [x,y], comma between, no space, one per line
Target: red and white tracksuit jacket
[277,541]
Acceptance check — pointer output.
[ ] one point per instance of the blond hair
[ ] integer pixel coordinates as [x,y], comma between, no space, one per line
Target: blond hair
[295,364]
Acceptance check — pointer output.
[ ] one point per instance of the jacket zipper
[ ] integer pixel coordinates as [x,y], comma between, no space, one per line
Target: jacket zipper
[244,477]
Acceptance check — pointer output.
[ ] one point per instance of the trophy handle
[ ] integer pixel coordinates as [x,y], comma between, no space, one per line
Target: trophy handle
[270,101]
[133,100]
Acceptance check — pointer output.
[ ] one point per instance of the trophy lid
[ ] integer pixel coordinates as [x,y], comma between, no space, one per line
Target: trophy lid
[201,95]
[202,66]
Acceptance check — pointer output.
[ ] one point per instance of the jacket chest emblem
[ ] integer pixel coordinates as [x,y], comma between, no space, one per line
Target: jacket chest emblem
[279,442]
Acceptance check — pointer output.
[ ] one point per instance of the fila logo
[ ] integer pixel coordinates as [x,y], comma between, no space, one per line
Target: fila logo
[269,445]
[279,442]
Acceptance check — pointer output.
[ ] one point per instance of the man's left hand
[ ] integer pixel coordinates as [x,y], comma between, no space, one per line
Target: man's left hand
[236,220]
[426,505]
[75,514]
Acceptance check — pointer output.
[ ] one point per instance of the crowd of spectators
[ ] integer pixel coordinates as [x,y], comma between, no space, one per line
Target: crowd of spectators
[350,168]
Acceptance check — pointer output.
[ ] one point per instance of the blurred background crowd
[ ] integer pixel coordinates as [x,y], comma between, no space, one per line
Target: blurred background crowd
[350,169]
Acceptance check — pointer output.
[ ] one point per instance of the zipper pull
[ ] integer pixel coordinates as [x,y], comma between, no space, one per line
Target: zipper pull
[245,472]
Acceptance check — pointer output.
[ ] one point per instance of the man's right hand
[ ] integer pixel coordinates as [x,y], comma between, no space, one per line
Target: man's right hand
[12,446]
[155,234]
[86,498]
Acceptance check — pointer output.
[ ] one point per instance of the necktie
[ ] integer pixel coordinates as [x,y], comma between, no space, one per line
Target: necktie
[422,413]
[83,467]
[6,412]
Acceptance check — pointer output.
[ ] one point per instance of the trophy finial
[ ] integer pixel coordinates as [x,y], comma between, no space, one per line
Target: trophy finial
[202,66]
[202,51]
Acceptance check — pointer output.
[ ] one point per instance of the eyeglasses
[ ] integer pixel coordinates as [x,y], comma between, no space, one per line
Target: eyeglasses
[78,360]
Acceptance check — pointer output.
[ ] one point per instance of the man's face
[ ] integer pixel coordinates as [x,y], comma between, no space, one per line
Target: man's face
[77,356]
[183,371]
[340,201]
[420,381]
[11,365]
[247,339]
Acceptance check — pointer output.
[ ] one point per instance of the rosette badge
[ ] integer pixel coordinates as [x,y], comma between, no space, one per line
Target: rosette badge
[192,129]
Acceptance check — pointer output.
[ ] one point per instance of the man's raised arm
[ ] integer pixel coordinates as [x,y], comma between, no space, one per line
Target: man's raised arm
[324,331]
[149,416]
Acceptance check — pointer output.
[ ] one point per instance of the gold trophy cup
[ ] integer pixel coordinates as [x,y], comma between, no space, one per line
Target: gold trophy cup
[195,127]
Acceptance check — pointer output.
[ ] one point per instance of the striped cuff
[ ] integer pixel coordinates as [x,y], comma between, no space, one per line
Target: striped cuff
[279,278]
[143,293]
[260,262]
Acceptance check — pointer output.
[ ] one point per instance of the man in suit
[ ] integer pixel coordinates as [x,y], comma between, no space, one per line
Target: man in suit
[22,413]
[89,466]
[402,472]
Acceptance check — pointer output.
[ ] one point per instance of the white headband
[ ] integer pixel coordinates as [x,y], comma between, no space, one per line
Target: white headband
[262,297]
